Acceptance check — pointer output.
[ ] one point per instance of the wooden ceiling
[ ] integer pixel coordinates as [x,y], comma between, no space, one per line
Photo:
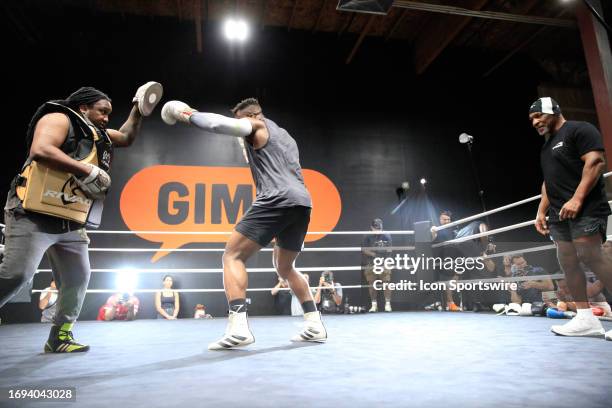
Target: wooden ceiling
[544,29]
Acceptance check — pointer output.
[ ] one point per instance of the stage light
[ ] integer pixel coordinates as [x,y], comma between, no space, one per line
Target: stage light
[465,138]
[127,280]
[423,181]
[236,30]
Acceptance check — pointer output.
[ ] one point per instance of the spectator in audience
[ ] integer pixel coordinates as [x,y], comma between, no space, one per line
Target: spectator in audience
[328,296]
[167,302]
[282,297]
[446,252]
[120,306]
[200,312]
[529,291]
[373,246]
[594,294]
[47,303]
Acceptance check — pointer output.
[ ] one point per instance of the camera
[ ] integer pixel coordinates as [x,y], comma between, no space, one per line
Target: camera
[327,276]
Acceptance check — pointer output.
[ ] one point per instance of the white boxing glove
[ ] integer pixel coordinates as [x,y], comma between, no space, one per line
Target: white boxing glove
[148,96]
[95,184]
[176,110]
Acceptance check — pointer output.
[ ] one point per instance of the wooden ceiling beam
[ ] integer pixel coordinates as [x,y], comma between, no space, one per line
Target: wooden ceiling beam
[395,25]
[319,17]
[361,38]
[347,25]
[295,2]
[439,34]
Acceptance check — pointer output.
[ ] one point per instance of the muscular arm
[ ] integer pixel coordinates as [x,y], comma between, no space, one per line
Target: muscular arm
[594,166]
[544,202]
[253,130]
[127,133]
[50,133]
[540,221]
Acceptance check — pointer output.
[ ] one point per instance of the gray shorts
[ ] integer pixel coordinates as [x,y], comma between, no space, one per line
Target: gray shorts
[288,225]
[568,230]
[28,237]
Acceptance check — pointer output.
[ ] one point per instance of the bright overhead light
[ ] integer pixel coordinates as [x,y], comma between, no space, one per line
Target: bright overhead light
[423,181]
[127,280]
[236,30]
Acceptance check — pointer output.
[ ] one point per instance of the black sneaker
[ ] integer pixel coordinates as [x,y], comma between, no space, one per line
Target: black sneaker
[61,341]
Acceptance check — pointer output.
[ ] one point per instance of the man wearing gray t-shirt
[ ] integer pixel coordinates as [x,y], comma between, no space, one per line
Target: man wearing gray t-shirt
[281,211]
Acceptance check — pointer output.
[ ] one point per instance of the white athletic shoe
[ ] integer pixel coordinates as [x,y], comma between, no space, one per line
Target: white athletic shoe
[176,110]
[608,335]
[374,308]
[388,307]
[237,333]
[313,329]
[580,327]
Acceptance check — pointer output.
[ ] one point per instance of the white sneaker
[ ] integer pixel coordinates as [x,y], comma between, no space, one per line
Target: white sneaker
[388,307]
[313,329]
[374,308]
[580,327]
[608,335]
[176,110]
[237,333]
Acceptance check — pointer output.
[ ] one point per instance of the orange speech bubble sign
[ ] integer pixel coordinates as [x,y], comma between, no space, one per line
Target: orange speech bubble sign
[208,199]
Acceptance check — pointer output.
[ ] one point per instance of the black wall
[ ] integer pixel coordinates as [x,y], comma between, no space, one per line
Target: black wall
[367,126]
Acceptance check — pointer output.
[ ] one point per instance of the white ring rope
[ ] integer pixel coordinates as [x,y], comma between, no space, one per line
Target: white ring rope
[196,290]
[484,214]
[522,251]
[214,270]
[484,234]
[484,280]
[505,207]
[321,249]
[368,232]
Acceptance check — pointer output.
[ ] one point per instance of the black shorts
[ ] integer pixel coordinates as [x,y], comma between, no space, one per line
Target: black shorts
[568,230]
[288,225]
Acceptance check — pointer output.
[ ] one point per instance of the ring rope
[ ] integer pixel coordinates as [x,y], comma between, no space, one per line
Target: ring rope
[321,249]
[196,290]
[495,210]
[484,234]
[522,251]
[124,232]
[213,270]
[484,280]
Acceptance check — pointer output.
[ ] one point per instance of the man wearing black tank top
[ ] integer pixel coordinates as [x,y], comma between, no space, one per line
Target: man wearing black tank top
[281,211]
[61,135]
[574,199]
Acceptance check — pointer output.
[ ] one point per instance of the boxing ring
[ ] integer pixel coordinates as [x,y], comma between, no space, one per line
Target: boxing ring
[403,359]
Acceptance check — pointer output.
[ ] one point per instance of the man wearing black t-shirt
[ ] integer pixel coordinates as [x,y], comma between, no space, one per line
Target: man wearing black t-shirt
[574,198]
[369,251]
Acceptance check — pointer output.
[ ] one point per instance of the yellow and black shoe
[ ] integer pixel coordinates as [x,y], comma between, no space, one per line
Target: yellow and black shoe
[62,341]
